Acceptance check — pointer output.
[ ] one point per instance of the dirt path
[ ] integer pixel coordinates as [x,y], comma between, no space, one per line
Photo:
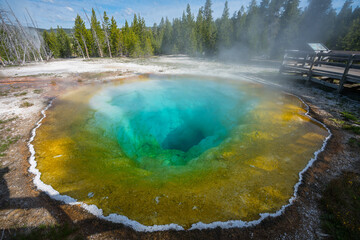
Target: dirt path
[25,91]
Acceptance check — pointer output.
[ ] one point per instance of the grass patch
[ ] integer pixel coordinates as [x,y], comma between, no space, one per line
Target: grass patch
[20,94]
[5,144]
[26,104]
[8,120]
[340,204]
[352,128]
[55,232]
[337,121]
[38,91]
[4,93]
[349,116]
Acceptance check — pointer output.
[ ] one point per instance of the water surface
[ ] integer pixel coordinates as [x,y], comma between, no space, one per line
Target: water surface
[182,150]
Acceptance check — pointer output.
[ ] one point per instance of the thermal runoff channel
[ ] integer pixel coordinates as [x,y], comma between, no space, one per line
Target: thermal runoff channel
[181,150]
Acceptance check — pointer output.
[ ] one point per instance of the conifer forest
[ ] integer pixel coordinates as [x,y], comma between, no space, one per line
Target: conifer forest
[264,28]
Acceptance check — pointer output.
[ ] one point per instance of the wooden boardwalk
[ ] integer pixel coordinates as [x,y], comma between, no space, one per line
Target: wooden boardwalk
[333,69]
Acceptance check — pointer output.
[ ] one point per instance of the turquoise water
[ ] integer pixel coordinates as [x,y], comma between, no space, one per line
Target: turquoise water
[152,147]
[169,122]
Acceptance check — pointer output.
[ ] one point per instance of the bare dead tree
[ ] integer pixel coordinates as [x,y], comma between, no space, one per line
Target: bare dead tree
[94,34]
[2,63]
[106,32]
[9,36]
[79,46]
[30,37]
[19,41]
[3,45]
[26,38]
[37,34]
[84,42]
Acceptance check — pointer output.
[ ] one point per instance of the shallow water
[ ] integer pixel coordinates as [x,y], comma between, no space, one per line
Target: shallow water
[181,150]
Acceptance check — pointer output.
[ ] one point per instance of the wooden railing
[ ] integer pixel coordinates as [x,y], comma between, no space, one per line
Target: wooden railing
[333,69]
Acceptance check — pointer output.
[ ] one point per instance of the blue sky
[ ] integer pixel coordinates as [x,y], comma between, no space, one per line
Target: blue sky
[50,13]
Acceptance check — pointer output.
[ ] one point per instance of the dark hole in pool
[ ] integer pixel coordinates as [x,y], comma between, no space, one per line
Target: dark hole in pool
[183,138]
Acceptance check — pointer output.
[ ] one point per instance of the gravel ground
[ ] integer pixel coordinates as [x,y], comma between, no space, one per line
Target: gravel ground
[26,90]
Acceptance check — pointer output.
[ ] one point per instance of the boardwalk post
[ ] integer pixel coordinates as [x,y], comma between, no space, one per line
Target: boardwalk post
[282,64]
[311,68]
[346,71]
[305,58]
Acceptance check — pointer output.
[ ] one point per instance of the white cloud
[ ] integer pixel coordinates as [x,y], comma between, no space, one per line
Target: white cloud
[129,11]
[49,1]
[70,9]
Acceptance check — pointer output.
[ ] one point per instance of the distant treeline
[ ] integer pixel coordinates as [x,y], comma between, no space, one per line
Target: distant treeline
[263,29]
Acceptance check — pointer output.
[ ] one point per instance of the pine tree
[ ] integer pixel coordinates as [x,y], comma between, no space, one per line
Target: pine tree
[177,37]
[82,35]
[199,28]
[158,33]
[343,23]
[106,22]
[53,44]
[125,32]
[106,30]
[253,28]
[134,47]
[270,24]
[225,28]
[98,34]
[239,20]
[148,49]
[351,41]
[189,33]
[267,28]
[167,44]
[209,30]
[289,28]
[63,43]
[318,21]
[114,38]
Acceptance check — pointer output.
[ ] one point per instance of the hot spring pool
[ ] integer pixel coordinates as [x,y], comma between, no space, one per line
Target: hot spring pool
[176,150]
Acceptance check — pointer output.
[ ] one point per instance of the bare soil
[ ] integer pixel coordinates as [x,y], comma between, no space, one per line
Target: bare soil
[24,209]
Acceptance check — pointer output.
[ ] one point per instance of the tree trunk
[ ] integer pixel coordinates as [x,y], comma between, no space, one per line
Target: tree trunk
[94,34]
[87,52]
[106,34]
[2,63]
[79,46]
[9,36]
[38,36]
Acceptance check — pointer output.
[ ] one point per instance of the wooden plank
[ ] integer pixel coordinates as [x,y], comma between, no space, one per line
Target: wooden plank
[298,70]
[353,79]
[332,64]
[332,69]
[355,66]
[332,85]
[334,55]
[325,74]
